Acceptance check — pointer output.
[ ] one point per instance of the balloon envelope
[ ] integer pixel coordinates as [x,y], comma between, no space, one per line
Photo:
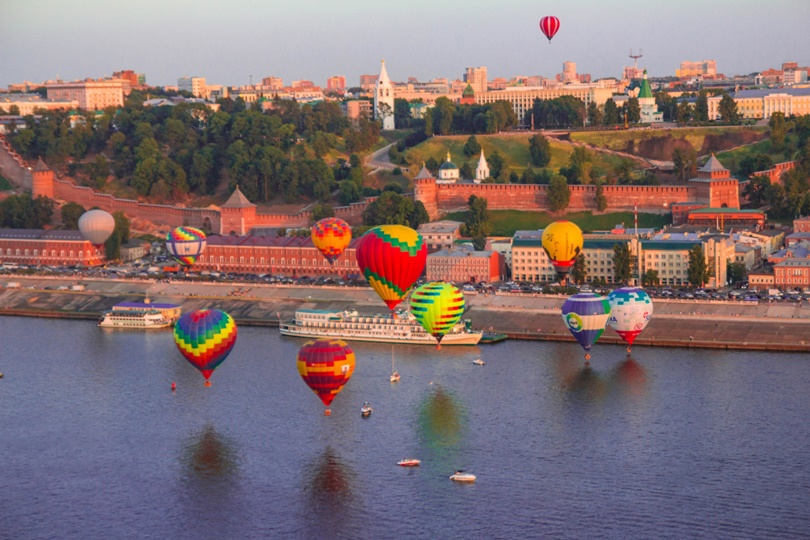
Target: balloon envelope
[437,307]
[185,244]
[630,311]
[326,365]
[562,242]
[391,257]
[549,26]
[585,315]
[96,226]
[205,338]
[331,236]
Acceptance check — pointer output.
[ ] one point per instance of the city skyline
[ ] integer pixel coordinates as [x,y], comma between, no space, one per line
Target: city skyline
[305,41]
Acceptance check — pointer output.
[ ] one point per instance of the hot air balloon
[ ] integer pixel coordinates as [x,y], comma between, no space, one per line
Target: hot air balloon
[205,338]
[96,226]
[630,311]
[331,236]
[326,365]
[437,307]
[391,257]
[562,242]
[585,315]
[185,244]
[549,26]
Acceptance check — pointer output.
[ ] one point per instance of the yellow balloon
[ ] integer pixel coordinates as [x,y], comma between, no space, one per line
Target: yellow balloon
[562,241]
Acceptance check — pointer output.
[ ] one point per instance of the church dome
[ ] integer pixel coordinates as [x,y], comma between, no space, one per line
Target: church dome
[447,165]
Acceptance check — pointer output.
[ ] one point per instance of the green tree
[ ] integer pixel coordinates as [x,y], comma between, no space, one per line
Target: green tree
[540,150]
[622,263]
[698,270]
[466,171]
[559,194]
[477,222]
[736,272]
[71,212]
[633,110]
[394,209]
[496,164]
[321,211]
[595,114]
[755,162]
[778,131]
[755,189]
[611,116]
[349,192]
[650,278]
[702,107]
[684,163]
[471,147]
[579,272]
[727,108]
[600,199]
[479,243]
[684,113]
[402,113]
[119,236]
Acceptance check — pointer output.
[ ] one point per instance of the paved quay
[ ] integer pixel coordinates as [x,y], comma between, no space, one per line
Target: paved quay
[682,323]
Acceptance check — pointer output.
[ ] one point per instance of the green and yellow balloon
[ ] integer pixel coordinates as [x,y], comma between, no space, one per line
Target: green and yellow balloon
[437,307]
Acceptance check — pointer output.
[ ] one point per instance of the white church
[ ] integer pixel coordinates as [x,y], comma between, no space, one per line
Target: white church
[384,100]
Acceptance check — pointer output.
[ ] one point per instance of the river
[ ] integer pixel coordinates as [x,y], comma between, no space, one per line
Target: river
[671,443]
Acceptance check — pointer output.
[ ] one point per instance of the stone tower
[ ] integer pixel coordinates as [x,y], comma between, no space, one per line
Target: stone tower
[238,214]
[384,100]
[41,180]
[425,191]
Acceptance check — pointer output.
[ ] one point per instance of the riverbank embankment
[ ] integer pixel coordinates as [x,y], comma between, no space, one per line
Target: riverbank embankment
[688,323]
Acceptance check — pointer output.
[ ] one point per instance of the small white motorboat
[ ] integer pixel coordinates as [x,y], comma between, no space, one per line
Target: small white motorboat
[409,462]
[478,362]
[394,377]
[366,409]
[461,476]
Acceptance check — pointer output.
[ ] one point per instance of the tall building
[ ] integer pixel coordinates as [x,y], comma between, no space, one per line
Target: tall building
[90,94]
[384,100]
[569,73]
[522,98]
[367,82]
[694,69]
[194,85]
[477,78]
[273,83]
[336,83]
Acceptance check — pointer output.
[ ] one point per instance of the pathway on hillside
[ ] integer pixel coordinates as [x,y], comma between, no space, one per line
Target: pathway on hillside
[379,160]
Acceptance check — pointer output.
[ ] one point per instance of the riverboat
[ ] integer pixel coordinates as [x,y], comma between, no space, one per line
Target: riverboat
[137,319]
[402,327]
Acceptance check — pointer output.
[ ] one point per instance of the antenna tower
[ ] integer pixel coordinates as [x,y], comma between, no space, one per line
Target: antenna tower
[635,57]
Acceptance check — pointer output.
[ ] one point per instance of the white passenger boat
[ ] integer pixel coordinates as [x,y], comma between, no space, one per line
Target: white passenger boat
[349,325]
[146,318]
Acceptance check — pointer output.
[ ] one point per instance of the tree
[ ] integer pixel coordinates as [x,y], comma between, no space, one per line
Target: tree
[540,150]
[402,113]
[684,112]
[600,199]
[595,114]
[650,278]
[119,237]
[466,170]
[559,194]
[349,192]
[727,108]
[755,162]
[755,189]
[778,131]
[622,260]
[633,110]
[479,243]
[394,209]
[702,107]
[496,164]
[580,167]
[684,163]
[71,212]
[477,222]
[611,113]
[321,211]
[471,147]
[698,270]
[579,272]
[736,272]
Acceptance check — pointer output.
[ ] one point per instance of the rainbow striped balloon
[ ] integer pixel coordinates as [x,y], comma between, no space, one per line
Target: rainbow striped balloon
[205,338]
[185,244]
[326,365]
[331,236]
[437,307]
[392,257]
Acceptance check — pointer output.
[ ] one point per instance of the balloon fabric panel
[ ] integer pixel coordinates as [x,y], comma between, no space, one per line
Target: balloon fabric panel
[185,244]
[585,316]
[392,257]
[331,236]
[437,307]
[631,309]
[205,338]
[326,366]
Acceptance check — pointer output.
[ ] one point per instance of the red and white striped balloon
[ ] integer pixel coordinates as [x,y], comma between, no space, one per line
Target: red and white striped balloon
[549,26]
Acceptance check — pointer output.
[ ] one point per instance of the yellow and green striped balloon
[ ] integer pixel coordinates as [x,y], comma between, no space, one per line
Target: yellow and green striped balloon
[437,307]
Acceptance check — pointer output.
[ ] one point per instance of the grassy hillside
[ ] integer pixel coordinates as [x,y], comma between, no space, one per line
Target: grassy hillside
[5,185]
[732,158]
[514,149]
[506,222]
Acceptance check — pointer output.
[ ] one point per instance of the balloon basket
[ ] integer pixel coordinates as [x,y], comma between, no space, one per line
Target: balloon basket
[587,357]
[327,412]
[174,387]
[628,350]
[208,384]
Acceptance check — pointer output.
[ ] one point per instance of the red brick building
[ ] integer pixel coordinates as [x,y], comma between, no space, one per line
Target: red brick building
[460,265]
[274,255]
[792,274]
[52,248]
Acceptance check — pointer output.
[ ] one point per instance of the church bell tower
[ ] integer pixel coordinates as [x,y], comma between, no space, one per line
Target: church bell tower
[384,100]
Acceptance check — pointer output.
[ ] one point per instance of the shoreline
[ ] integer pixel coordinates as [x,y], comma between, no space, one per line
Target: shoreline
[694,324]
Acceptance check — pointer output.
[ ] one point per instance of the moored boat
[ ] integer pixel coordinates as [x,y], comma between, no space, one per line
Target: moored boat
[409,462]
[366,409]
[136,319]
[478,362]
[351,326]
[461,476]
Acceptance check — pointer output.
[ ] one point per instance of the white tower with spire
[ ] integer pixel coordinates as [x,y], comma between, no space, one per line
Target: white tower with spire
[384,100]
[482,171]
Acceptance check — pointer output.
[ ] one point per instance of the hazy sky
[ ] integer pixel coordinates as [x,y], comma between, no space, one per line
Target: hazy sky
[227,41]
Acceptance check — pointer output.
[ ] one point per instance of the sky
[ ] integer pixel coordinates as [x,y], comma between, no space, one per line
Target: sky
[230,41]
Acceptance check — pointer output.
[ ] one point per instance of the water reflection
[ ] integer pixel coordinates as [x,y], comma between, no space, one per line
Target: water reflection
[329,497]
[630,378]
[441,426]
[209,456]
[585,383]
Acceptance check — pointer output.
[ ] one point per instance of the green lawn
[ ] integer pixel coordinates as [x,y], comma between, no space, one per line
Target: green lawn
[514,149]
[5,185]
[506,222]
[732,158]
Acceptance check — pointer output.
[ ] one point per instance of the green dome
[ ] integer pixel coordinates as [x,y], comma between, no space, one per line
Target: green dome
[448,165]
